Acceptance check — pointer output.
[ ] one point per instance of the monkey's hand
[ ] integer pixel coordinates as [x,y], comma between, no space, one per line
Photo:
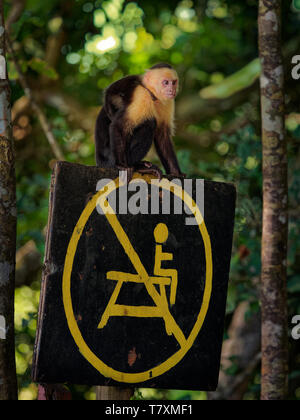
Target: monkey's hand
[148,168]
[142,168]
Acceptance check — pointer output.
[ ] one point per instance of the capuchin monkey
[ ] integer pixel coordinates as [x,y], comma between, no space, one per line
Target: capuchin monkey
[137,111]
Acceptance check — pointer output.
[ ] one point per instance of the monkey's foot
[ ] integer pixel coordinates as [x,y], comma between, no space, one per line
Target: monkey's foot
[148,168]
[126,173]
[142,168]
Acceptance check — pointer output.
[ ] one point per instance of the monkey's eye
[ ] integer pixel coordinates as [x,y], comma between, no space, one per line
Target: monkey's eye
[174,82]
[166,82]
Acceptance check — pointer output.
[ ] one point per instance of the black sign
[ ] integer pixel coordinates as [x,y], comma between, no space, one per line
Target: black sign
[135,280]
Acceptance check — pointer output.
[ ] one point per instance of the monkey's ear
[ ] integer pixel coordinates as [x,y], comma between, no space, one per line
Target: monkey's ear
[146,77]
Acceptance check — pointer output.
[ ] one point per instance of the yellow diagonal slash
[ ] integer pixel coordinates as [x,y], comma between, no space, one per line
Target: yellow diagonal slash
[170,322]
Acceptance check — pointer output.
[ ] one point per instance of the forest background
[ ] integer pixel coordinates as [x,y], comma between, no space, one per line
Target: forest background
[66,53]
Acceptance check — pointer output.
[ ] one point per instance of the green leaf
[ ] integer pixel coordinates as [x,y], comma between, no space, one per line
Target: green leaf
[232,370]
[43,68]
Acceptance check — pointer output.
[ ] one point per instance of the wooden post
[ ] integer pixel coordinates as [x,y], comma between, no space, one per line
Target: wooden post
[275,213]
[8,219]
[113,393]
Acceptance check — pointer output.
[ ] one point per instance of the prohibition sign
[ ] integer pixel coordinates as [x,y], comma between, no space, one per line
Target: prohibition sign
[100,198]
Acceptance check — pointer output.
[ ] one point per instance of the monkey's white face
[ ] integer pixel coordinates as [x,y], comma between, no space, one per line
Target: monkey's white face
[169,88]
[163,82]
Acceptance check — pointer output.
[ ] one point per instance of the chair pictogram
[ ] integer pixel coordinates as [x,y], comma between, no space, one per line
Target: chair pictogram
[162,277]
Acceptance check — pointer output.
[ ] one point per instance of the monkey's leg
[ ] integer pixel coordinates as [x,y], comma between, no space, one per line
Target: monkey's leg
[119,149]
[129,150]
[104,156]
[129,173]
[139,145]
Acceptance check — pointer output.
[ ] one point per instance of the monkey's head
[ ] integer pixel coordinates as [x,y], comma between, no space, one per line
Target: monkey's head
[162,80]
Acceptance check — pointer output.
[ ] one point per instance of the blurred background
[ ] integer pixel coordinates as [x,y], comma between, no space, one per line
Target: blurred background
[66,52]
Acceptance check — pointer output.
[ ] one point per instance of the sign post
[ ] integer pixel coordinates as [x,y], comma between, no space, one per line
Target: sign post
[135,281]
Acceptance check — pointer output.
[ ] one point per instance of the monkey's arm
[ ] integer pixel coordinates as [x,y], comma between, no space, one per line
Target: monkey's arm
[166,153]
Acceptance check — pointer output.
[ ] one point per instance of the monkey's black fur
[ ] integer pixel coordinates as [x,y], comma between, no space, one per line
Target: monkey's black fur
[115,147]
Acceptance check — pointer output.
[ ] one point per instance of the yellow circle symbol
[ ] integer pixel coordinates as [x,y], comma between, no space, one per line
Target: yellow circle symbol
[161,235]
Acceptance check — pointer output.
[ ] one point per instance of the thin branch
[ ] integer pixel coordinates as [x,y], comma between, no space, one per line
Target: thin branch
[244,376]
[241,351]
[15,13]
[35,106]
[28,264]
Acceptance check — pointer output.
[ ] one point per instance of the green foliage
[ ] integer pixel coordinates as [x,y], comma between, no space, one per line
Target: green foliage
[42,68]
[26,307]
[32,204]
[162,394]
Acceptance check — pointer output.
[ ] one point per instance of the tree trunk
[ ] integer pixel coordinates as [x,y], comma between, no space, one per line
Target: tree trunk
[275,213]
[8,219]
